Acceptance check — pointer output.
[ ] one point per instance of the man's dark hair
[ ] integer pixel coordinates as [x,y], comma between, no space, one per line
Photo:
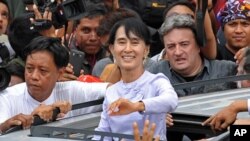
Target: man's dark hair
[181,3]
[50,44]
[178,21]
[20,33]
[131,25]
[93,11]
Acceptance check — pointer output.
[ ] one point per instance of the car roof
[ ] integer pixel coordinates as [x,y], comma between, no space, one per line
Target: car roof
[87,121]
[210,103]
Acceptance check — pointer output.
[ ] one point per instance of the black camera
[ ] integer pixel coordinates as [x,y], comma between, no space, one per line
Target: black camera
[61,13]
[6,54]
[6,51]
[58,18]
[4,78]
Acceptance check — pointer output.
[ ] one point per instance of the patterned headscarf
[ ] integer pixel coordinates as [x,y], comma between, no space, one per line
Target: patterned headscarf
[234,9]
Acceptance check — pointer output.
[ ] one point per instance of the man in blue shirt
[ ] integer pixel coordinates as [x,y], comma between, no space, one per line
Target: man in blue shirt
[185,63]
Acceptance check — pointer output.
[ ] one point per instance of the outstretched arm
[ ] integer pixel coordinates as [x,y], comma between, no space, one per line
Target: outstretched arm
[124,106]
[226,116]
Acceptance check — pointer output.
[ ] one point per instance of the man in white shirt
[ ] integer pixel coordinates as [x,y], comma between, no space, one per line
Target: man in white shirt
[46,59]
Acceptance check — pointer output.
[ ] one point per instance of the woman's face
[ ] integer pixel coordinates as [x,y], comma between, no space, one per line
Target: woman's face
[129,52]
[4,18]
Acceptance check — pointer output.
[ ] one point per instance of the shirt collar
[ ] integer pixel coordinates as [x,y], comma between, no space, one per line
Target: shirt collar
[30,99]
[206,66]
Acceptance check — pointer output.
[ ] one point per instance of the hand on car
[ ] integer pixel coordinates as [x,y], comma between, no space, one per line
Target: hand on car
[20,119]
[45,112]
[222,120]
[64,107]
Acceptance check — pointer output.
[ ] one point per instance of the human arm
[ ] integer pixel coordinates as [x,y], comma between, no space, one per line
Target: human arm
[124,106]
[242,122]
[226,116]
[80,92]
[160,94]
[9,117]
[166,97]
[20,119]
[210,49]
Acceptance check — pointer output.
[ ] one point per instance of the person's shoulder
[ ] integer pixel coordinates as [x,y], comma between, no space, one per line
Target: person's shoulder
[69,84]
[158,66]
[14,91]
[149,63]
[223,62]
[159,77]
[223,66]
[102,63]
[105,60]
[114,86]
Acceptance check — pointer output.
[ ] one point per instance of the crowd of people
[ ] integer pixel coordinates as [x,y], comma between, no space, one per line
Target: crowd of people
[136,63]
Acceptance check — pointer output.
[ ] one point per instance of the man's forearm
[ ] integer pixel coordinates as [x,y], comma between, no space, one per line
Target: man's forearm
[239,106]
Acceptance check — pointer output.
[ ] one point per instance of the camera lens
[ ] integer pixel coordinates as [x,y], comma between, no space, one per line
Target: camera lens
[4,79]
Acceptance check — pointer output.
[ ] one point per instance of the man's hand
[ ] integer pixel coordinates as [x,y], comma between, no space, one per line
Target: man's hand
[68,74]
[47,15]
[45,112]
[240,55]
[20,119]
[222,119]
[169,120]
[124,106]
[64,107]
[148,134]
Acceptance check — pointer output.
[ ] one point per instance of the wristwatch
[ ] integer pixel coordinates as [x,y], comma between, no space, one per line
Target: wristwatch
[142,112]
